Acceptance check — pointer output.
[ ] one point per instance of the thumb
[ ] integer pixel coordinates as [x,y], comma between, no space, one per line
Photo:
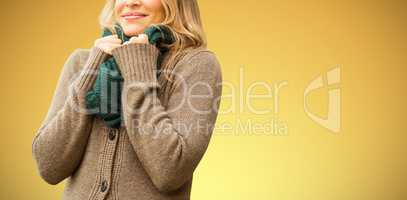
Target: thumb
[141,38]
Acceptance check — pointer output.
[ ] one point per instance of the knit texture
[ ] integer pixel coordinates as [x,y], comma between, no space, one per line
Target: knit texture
[155,153]
[104,99]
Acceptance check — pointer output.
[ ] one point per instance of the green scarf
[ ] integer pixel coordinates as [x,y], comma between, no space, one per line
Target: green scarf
[104,99]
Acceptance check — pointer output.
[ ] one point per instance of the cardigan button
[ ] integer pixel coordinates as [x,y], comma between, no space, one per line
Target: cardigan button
[103,187]
[112,135]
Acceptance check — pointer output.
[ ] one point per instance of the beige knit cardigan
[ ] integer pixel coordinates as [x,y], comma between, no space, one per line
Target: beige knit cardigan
[164,134]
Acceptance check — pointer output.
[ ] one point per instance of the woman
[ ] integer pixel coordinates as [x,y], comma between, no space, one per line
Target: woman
[167,118]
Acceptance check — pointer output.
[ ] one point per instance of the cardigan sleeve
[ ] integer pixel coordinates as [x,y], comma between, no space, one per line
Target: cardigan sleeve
[59,143]
[169,140]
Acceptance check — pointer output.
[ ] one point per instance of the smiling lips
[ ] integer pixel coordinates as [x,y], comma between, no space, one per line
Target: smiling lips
[132,15]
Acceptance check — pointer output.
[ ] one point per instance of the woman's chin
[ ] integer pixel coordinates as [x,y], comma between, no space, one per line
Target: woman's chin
[133,30]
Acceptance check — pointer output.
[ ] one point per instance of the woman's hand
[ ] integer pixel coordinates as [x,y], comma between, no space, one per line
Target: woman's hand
[140,39]
[108,43]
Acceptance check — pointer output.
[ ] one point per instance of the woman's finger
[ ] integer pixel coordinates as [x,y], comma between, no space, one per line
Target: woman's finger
[142,38]
[113,40]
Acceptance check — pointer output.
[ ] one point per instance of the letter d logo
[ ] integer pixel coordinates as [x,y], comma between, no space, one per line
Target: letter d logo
[333,120]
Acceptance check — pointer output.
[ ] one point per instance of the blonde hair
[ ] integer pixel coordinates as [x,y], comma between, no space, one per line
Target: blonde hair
[182,17]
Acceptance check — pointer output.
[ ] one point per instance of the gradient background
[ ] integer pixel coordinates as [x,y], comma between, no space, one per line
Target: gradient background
[294,41]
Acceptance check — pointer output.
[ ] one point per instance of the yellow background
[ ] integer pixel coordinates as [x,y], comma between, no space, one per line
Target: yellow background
[273,41]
